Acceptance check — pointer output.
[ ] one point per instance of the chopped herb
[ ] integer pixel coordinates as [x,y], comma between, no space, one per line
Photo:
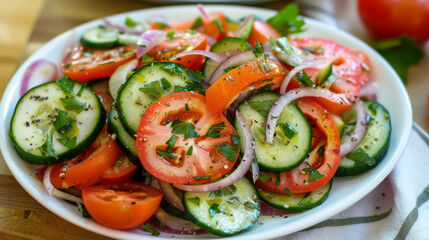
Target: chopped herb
[277,180]
[251,205]
[165,83]
[105,63]
[219,25]
[190,87]
[47,148]
[261,64]
[362,156]
[196,76]
[202,177]
[365,67]
[161,25]
[119,161]
[170,34]
[189,152]
[82,69]
[66,85]
[173,68]
[81,89]
[83,210]
[289,131]
[186,128]
[235,138]
[214,209]
[147,59]
[149,228]
[321,151]
[287,21]
[64,124]
[214,131]
[162,153]
[281,45]
[191,32]
[259,49]
[263,176]
[373,107]
[305,201]
[287,191]
[130,22]
[314,174]
[68,142]
[73,104]
[195,200]
[169,150]
[153,89]
[310,49]
[68,65]
[197,23]
[324,74]
[230,152]
[129,54]
[329,166]
[262,107]
[265,88]
[227,70]
[187,107]
[306,79]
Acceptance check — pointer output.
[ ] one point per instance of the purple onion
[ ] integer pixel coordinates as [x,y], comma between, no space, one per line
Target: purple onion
[171,195]
[173,222]
[232,61]
[204,13]
[122,28]
[148,40]
[47,181]
[153,222]
[32,77]
[352,141]
[369,89]
[214,56]
[298,69]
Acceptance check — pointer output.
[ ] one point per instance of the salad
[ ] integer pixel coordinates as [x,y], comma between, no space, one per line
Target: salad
[205,125]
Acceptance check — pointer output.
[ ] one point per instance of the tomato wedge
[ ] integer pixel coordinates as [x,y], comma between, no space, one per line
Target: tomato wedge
[78,171]
[349,66]
[241,79]
[121,171]
[121,205]
[83,64]
[261,32]
[172,142]
[209,28]
[324,158]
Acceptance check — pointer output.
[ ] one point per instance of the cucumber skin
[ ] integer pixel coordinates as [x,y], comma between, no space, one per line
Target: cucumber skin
[165,205]
[49,160]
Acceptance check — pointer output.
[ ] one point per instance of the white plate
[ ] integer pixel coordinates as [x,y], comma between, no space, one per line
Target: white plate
[345,191]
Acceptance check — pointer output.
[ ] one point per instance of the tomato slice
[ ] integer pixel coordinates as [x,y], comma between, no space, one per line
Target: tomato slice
[121,171]
[210,28]
[84,64]
[78,171]
[205,161]
[347,65]
[241,79]
[298,179]
[261,32]
[181,42]
[121,205]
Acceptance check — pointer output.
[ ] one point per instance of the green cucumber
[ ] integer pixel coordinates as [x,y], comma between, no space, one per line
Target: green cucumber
[50,125]
[374,145]
[296,202]
[246,30]
[286,152]
[224,212]
[100,38]
[339,122]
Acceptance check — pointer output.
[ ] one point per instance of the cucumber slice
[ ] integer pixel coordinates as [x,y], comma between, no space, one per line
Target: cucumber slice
[224,212]
[155,80]
[42,127]
[168,208]
[128,39]
[125,142]
[297,202]
[339,122]
[246,30]
[101,37]
[286,152]
[226,47]
[374,145]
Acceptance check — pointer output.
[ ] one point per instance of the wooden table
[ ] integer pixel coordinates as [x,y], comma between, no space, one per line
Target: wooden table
[21,217]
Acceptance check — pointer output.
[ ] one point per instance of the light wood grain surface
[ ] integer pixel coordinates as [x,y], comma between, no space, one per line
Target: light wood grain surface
[24,27]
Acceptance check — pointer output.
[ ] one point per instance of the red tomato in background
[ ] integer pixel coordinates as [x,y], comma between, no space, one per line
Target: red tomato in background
[393,18]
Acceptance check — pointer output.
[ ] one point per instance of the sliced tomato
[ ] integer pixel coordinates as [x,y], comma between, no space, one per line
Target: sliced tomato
[347,65]
[181,42]
[121,171]
[209,28]
[201,164]
[261,32]
[121,205]
[83,64]
[79,171]
[298,179]
[241,79]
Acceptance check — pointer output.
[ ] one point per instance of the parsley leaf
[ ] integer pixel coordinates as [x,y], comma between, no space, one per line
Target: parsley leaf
[289,131]
[64,124]
[195,200]
[153,89]
[401,53]
[197,23]
[147,59]
[287,21]
[287,191]
[314,174]
[228,151]
[219,25]
[202,177]
[187,107]
[165,83]
[262,107]
[196,76]
[190,87]
[259,49]
[214,209]
[130,22]
[277,181]
[214,131]
[66,85]
[161,25]
[173,68]
[305,201]
[68,142]
[81,89]
[170,34]
[189,152]
[169,150]
[362,156]
[281,45]
[73,104]
[263,176]
[149,228]
[306,79]
[119,161]
[186,128]
[47,148]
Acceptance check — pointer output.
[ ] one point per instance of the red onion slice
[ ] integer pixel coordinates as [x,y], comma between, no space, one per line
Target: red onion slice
[369,89]
[269,51]
[287,98]
[233,61]
[267,210]
[47,181]
[215,57]
[174,222]
[40,71]
[66,196]
[122,28]
[119,77]
[171,195]
[154,223]
[352,141]
[298,69]
[148,40]
[204,13]
[236,175]
[210,40]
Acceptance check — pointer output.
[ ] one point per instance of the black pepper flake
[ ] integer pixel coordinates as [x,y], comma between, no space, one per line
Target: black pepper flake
[27,124]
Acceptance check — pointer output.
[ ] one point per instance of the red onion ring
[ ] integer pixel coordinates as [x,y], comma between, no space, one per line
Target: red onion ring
[236,175]
[214,56]
[369,89]
[47,181]
[267,210]
[34,74]
[210,40]
[232,61]
[352,141]
[269,51]
[204,13]
[298,69]
[174,222]
[243,24]
[148,40]
[287,98]
[171,196]
[165,229]
[121,28]
[66,196]
[119,77]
